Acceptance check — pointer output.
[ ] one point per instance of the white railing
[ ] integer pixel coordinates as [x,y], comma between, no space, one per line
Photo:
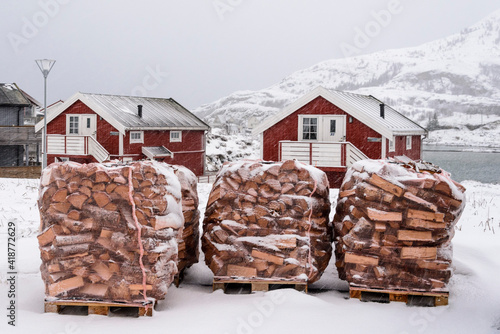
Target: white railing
[76,145]
[321,154]
[353,154]
[96,149]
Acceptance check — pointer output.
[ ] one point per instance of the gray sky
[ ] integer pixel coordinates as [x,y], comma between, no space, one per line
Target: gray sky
[197,51]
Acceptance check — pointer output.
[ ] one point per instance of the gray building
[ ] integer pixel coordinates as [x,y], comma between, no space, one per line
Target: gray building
[19,144]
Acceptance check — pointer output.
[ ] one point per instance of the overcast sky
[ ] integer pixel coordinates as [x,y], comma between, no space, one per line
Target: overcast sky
[197,51]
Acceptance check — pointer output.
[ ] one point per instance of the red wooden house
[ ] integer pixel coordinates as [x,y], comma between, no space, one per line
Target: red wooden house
[331,130]
[96,128]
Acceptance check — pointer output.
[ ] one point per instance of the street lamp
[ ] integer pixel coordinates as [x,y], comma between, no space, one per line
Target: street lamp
[45,66]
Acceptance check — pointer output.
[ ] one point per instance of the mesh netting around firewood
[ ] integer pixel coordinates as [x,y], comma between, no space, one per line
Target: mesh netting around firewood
[394,223]
[268,220]
[89,237]
[189,244]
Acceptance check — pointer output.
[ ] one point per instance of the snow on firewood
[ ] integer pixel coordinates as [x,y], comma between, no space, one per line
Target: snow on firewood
[89,241]
[268,220]
[394,223]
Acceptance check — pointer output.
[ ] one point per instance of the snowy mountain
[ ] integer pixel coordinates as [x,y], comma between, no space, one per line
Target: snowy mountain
[455,76]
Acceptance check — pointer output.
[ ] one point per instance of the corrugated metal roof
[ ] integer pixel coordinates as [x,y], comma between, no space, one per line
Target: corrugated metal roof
[156,151]
[363,107]
[156,112]
[369,105]
[10,94]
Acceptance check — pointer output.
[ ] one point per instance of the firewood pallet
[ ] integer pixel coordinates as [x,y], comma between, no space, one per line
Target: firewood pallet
[229,284]
[85,307]
[411,298]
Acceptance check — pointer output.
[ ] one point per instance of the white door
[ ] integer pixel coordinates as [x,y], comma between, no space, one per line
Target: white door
[333,128]
[88,125]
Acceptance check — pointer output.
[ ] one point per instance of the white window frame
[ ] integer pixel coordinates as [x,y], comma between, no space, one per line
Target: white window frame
[70,121]
[178,139]
[408,142]
[139,140]
[301,127]
[392,145]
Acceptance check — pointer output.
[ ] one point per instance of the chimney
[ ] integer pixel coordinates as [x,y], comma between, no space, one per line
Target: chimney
[139,110]
[382,110]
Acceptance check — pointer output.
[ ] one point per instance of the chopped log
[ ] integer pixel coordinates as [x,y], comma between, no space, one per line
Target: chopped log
[48,235]
[60,195]
[268,257]
[97,290]
[408,235]
[378,215]
[420,223]
[241,271]
[101,199]
[425,215]
[388,186]
[359,259]
[421,253]
[77,200]
[73,239]
[65,286]
[420,201]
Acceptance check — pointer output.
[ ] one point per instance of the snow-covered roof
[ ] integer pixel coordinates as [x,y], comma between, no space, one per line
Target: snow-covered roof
[122,112]
[363,107]
[10,94]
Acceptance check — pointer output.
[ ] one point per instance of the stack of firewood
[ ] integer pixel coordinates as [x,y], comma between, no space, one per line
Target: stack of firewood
[268,220]
[89,241]
[394,224]
[189,244]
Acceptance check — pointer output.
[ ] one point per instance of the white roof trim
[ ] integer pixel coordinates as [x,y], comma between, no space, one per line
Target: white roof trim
[69,102]
[332,98]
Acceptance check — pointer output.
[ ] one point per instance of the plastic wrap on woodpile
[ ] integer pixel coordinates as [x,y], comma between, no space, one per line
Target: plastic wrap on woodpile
[189,244]
[394,223]
[89,240]
[268,220]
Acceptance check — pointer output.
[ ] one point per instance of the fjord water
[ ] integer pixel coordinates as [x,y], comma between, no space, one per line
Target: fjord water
[466,163]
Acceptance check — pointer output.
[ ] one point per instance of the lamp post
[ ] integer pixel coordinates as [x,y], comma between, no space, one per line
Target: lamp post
[45,66]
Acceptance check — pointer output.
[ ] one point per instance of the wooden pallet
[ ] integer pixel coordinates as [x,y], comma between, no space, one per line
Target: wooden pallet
[413,298]
[255,284]
[85,307]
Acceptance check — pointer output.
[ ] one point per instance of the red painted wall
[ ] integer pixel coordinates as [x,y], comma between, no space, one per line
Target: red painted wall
[191,141]
[287,129]
[400,147]
[58,126]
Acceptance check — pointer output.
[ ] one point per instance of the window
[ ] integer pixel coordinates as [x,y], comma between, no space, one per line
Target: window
[333,127]
[175,136]
[88,122]
[392,147]
[309,128]
[408,142]
[73,125]
[136,137]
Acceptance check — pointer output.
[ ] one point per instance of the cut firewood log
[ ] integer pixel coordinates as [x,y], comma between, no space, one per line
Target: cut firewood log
[89,240]
[393,224]
[260,214]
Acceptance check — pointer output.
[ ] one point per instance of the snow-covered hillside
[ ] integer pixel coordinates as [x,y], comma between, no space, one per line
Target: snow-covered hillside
[457,74]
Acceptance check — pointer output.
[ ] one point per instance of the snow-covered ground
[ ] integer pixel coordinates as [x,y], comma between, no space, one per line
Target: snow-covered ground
[193,308]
